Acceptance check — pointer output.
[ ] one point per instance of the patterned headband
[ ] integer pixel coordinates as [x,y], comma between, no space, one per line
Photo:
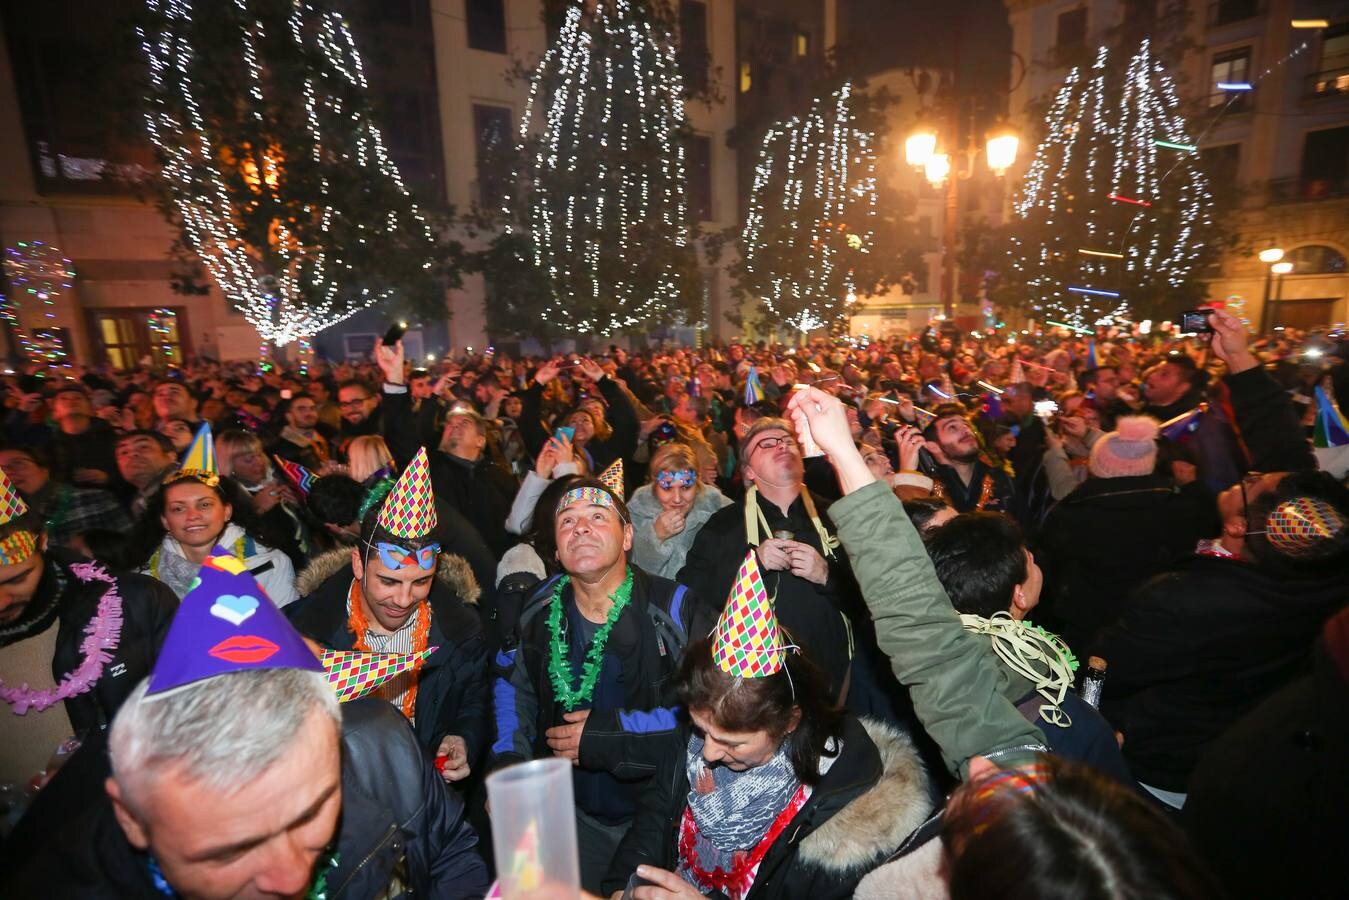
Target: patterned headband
[17,547]
[596,496]
[668,478]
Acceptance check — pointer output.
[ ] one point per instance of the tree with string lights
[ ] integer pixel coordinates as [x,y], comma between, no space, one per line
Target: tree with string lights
[597,207]
[819,233]
[1114,219]
[274,170]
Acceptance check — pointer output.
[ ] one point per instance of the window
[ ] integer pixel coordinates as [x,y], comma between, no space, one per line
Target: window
[1071,35]
[693,53]
[802,45]
[1224,12]
[486,25]
[1222,163]
[1230,66]
[1325,160]
[491,133]
[1316,259]
[122,337]
[700,177]
[1332,77]
[746,79]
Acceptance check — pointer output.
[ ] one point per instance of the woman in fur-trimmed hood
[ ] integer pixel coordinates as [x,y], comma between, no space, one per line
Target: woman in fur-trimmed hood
[769,791]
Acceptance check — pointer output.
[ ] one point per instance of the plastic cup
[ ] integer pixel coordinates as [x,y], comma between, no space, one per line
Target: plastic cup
[534,830]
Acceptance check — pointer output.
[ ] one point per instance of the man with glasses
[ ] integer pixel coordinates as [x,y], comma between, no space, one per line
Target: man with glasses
[395,592]
[795,544]
[360,411]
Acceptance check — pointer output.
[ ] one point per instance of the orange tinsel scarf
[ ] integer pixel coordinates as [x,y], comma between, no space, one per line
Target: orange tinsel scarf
[358,625]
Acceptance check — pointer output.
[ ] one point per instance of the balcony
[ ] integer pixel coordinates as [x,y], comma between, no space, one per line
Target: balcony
[1330,83]
[1306,190]
[1225,12]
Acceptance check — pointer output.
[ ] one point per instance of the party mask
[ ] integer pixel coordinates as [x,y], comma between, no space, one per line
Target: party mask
[683,477]
[396,557]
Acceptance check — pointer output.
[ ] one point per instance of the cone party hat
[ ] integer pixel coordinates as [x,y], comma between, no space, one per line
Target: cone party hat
[302,478]
[20,545]
[199,460]
[612,477]
[355,673]
[747,641]
[410,509]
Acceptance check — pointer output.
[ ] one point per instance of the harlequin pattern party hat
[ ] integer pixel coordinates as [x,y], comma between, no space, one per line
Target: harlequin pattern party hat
[199,460]
[355,673]
[226,624]
[410,509]
[20,545]
[747,640]
[1298,525]
[612,477]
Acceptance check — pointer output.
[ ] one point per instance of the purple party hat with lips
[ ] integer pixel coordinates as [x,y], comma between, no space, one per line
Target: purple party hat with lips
[225,624]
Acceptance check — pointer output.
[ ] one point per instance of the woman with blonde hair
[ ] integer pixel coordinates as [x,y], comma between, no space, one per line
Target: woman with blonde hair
[368,456]
[668,511]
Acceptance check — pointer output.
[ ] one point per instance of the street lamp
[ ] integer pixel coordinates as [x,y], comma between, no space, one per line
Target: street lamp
[1000,146]
[937,168]
[1270,257]
[920,146]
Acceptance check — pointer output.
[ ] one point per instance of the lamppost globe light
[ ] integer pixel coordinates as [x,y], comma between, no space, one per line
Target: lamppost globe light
[919,146]
[1281,268]
[937,168]
[1272,255]
[1000,148]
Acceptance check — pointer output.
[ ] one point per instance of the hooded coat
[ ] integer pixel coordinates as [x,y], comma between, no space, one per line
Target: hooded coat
[873,796]
[665,558]
[1199,647]
[452,689]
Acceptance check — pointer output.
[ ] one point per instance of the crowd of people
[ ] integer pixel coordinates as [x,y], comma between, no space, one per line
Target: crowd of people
[958,614]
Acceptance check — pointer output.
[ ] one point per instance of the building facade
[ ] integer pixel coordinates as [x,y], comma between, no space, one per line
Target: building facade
[1280,151]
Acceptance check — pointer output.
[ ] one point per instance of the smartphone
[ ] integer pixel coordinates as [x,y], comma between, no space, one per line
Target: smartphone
[395,333]
[564,432]
[1196,321]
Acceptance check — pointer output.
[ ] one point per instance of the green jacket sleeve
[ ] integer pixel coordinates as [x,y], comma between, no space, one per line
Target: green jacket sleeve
[953,678]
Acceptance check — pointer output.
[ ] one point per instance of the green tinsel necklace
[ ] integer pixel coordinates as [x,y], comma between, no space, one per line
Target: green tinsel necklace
[559,668]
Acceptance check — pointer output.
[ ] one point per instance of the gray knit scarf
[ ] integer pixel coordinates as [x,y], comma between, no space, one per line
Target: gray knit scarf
[739,811]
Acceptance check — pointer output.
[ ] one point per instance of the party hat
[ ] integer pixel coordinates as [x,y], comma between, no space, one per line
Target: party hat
[1298,525]
[226,624]
[16,547]
[1092,362]
[355,673]
[302,478]
[753,388]
[1332,428]
[410,509]
[612,477]
[747,641]
[199,460]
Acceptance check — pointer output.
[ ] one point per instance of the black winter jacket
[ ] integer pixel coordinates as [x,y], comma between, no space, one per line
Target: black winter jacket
[873,796]
[1197,648]
[452,690]
[1110,535]
[397,820]
[620,415]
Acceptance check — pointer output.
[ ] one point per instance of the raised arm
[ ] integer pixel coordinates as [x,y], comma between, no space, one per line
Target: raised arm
[952,677]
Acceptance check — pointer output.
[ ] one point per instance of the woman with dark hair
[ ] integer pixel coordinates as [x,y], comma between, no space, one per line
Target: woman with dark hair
[194,511]
[773,791]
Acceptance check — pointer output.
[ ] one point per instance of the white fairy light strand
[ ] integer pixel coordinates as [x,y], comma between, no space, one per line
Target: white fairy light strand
[823,152]
[588,250]
[306,294]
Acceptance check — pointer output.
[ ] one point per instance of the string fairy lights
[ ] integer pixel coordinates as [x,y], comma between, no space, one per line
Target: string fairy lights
[302,278]
[821,168]
[1097,175]
[604,184]
[37,272]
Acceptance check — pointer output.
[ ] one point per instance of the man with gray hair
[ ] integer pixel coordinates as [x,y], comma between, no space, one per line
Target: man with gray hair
[236,774]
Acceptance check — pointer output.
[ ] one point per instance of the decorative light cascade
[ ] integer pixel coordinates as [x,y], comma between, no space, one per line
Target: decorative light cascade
[813,197]
[1098,175]
[163,324]
[604,190]
[37,271]
[299,283]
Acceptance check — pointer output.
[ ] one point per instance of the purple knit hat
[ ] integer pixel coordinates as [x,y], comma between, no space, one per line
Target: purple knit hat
[1131,449]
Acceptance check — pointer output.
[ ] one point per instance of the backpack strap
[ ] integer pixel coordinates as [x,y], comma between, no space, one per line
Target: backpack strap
[671,634]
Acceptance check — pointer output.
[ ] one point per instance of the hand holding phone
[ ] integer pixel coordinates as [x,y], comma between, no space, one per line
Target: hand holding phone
[1196,321]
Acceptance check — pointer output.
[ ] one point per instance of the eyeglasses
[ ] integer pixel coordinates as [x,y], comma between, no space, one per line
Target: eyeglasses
[771,443]
[353,404]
